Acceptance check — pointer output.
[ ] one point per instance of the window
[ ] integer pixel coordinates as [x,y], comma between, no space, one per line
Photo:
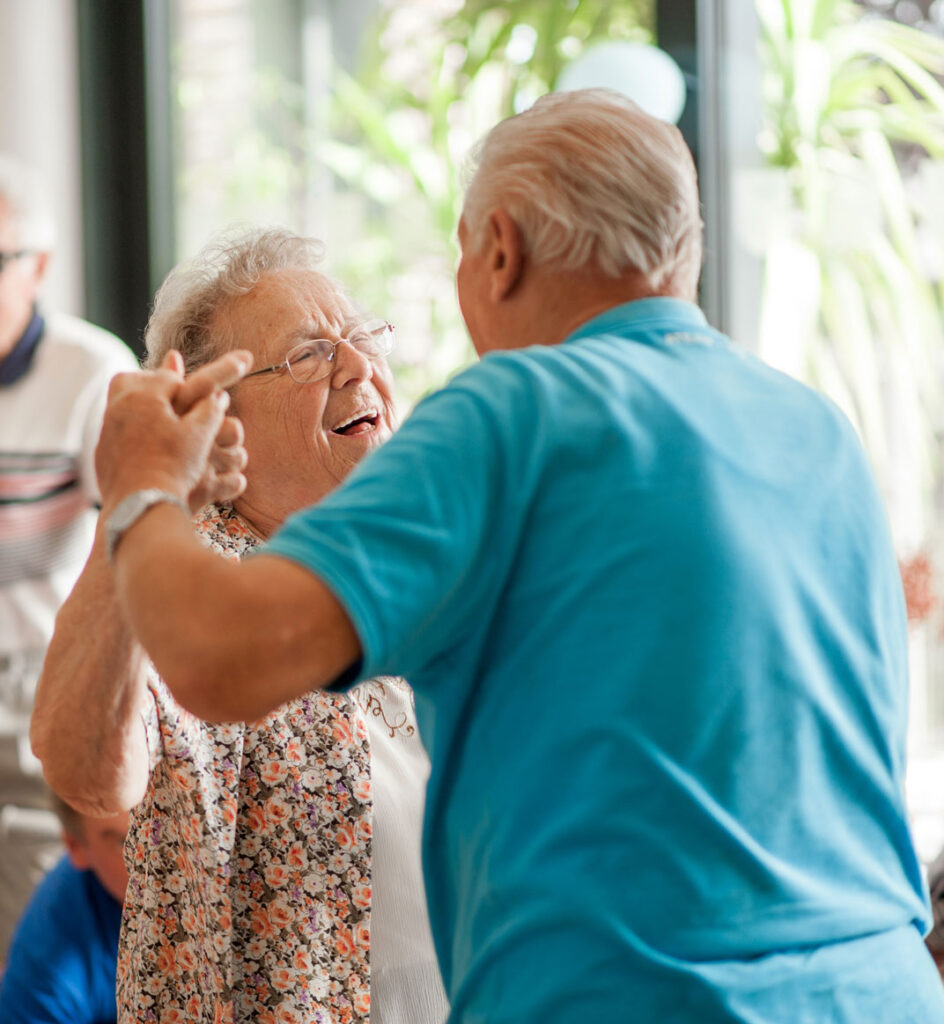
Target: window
[836,213]
[351,121]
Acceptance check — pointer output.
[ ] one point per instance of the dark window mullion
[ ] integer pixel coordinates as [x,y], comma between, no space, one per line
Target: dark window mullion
[113,119]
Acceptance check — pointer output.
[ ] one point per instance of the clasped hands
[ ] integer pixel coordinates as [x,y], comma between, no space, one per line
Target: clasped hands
[171,432]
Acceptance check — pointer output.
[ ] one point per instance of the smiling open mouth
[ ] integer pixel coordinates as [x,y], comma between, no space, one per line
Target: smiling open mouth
[363,423]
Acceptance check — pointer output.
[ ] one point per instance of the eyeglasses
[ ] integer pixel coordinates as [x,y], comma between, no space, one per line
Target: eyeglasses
[312,360]
[16,254]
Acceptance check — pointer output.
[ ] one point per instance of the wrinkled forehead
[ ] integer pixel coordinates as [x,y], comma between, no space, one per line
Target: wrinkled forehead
[284,308]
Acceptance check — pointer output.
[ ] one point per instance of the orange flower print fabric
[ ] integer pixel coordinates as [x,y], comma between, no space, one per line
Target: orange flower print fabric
[250,860]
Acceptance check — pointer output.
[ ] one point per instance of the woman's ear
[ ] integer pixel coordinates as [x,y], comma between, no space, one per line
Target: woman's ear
[505,255]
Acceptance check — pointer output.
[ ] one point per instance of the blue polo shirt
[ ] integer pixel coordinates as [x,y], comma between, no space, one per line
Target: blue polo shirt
[643,587]
[61,967]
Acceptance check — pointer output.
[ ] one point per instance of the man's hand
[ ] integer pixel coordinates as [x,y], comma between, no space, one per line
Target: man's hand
[223,479]
[173,434]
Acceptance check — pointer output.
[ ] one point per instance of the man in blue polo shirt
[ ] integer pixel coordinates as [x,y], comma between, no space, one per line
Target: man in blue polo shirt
[61,968]
[644,590]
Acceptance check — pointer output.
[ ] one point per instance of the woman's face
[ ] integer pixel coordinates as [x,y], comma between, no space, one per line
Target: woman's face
[302,439]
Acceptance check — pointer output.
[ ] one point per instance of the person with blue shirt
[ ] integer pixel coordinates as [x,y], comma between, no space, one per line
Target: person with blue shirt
[61,967]
[643,587]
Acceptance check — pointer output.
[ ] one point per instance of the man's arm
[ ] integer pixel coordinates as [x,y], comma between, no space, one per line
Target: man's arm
[231,641]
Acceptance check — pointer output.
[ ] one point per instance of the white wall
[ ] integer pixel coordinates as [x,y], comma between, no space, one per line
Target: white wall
[39,123]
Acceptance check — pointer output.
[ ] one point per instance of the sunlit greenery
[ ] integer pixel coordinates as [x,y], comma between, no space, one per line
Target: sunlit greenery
[432,79]
[854,299]
[369,157]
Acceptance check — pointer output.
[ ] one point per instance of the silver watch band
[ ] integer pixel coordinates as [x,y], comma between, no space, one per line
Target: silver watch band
[130,509]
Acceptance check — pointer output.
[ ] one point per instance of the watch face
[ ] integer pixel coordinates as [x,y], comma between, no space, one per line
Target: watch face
[125,512]
[131,507]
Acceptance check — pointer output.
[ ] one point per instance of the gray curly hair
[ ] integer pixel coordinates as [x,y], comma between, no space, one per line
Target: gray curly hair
[592,180]
[228,266]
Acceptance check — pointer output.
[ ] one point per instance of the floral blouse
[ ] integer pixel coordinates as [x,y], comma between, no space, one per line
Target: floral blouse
[250,860]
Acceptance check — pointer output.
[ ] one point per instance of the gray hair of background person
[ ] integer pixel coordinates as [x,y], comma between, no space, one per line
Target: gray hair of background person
[69,818]
[23,190]
[592,180]
[229,266]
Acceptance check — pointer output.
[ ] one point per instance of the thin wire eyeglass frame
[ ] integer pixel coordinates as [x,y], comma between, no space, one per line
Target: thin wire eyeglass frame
[373,339]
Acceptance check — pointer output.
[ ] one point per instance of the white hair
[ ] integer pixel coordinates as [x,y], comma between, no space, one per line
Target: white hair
[591,180]
[30,209]
[228,266]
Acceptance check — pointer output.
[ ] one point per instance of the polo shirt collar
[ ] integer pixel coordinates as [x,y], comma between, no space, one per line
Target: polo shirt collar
[643,313]
[20,357]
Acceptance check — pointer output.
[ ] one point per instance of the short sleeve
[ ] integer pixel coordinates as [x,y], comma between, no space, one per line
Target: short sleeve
[42,989]
[417,543]
[46,980]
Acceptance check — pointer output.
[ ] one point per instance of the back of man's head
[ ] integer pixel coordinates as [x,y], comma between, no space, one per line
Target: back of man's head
[24,203]
[592,181]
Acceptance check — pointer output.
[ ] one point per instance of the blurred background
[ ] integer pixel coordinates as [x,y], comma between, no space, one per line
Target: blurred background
[817,126]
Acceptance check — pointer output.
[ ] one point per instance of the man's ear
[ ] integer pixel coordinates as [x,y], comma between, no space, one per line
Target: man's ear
[505,255]
[76,851]
[40,266]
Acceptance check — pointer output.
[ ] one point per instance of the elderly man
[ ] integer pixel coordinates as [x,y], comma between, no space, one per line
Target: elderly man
[643,588]
[54,375]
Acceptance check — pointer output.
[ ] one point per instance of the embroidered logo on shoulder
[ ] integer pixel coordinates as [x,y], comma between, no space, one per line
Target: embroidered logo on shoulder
[687,338]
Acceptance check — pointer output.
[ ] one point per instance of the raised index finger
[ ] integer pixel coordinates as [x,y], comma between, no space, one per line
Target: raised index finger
[223,373]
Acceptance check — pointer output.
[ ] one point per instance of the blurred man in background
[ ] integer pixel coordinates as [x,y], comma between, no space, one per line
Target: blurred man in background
[54,374]
[64,951]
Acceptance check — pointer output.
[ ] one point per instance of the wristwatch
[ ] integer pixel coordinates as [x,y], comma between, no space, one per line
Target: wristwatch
[130,509]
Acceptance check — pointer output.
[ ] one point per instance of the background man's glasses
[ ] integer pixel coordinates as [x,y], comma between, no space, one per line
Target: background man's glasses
[16,254]
[312,360]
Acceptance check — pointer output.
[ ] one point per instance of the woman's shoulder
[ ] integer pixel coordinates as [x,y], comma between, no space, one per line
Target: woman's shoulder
[222,529]
[387,703]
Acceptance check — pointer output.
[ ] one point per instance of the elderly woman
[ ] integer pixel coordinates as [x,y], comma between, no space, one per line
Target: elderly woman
[275,872]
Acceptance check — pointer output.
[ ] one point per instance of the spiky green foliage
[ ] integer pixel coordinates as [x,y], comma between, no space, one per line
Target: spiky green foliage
[432,78]
[851,102]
